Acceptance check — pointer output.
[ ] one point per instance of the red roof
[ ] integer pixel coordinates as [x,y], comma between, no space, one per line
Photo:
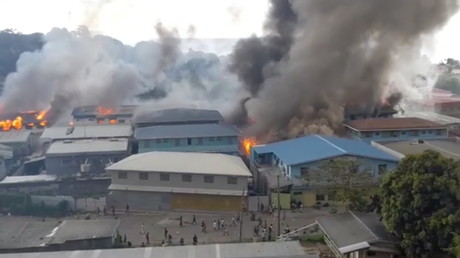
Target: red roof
[373,124]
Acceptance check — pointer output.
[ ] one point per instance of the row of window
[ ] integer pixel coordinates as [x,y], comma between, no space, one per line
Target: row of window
[231,180]
[398,133]
[92,161]
[305,171]
[190,141]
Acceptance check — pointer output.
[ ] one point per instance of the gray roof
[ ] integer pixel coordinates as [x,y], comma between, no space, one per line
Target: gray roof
[16,233]
[183,162]
[354,228]
[86,132]
[239,250]
[447,147]
[432,116]
[14,136]
[88,146]
[27,179]
[70,230]
[178,115]
[185,131]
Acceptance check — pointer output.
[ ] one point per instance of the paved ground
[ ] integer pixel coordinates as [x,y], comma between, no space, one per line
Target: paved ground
[154,223]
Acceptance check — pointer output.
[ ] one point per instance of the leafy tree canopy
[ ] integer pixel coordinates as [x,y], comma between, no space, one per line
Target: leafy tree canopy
[421,203]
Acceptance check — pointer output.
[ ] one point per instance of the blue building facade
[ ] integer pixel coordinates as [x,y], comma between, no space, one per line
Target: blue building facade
[215,138]
[296,157]
[395,129]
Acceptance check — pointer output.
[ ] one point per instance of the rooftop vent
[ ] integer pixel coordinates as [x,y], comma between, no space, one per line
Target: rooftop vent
[67,141]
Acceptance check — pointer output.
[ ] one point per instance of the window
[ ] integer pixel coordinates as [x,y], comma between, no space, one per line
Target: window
[177,142]
[164,177]
[209,179]
[382,169]
[320,197]
[304,172]
[165,140]
[403,133]
[370,253]
[394,134]
[219,139]
[143,176]
[423,132]
[186,178]
[377,133]
[122,175]
[438,132]
[189,141]
[232,180]
[413,133]
[66,162]
[430,131]
[211,139]
[158,141]
[199,141]
[230,140]
[121,121]
[147,144]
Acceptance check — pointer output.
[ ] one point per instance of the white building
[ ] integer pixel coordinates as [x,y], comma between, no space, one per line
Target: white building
[180,181]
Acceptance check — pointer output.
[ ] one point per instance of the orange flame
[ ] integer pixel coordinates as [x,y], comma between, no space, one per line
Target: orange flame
[104,110]
[113,121]
[18,122]
[247,144]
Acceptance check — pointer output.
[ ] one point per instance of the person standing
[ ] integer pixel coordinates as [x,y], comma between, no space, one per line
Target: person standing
[113,210]
[195,240]
[127,209]
[166,232]
[124,238]
[142,229]
[214,225]
[194,220]
[147,238]
[181,241]
[180,221]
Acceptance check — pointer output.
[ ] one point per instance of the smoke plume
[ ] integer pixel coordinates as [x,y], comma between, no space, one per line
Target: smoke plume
[77,68]
[336,52]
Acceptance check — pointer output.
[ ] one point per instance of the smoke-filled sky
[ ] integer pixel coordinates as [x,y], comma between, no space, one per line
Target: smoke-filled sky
[133,21]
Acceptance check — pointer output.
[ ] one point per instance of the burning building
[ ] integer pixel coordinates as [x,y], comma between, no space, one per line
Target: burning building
[103,115]
[23,120]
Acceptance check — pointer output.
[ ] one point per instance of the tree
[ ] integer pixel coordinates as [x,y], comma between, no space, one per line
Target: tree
[448,82]
[456,247]
[420,203]
[350,180]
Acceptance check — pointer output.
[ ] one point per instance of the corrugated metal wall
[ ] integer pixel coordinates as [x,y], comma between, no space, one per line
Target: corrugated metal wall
[205,202]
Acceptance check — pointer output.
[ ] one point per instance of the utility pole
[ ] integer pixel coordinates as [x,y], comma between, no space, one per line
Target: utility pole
[241,217]
[279,204]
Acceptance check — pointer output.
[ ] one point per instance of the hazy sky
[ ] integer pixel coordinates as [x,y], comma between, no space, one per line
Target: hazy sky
[132,21]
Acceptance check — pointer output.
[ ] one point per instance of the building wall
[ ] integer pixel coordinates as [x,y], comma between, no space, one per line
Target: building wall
[367,164]
[206,202]
[175,181]
[139,201]
[227,145]
[70,165]
[399,135]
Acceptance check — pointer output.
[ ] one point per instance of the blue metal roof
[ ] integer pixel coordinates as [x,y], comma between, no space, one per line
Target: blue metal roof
[317,147]
[185,131]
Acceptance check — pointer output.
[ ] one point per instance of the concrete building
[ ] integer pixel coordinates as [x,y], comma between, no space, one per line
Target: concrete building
[356,112]
[43,236]
[188,137]
[395,129]
[178,116]
[448,147]
[452,123]
[356,235]
[179,181]
[71,157]
[299,162]
[6,153]
[21,141]
[103,115]
[238,250]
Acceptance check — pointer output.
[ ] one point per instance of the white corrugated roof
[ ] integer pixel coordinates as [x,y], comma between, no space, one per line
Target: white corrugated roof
[88,146]
[184,162]
[14,136]
[88,131]
[24,179]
